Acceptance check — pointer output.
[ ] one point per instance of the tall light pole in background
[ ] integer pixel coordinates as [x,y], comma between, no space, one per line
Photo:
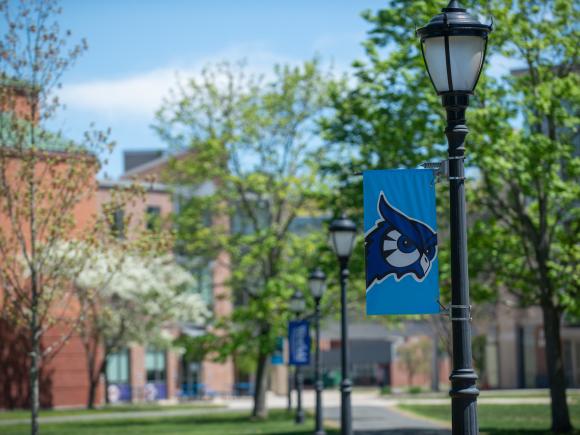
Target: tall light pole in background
[454,45]
[342,236]
[317,284]
[297,306]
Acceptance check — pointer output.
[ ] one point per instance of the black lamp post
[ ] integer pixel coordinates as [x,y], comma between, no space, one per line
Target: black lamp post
[289,398]
[317,284]
[454,46]
[297,306]
[342,235]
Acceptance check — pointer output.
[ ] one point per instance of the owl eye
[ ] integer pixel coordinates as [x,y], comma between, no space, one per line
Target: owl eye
[404,244]
[399,250]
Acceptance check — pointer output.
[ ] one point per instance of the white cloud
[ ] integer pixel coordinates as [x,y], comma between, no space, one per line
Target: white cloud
[137,95]
[140,95]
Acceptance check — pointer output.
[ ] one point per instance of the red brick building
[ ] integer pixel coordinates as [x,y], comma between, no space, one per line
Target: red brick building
[58,387]
[136,374]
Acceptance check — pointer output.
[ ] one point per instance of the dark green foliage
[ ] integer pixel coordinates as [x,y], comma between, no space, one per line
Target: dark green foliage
[257,141]
[522,152]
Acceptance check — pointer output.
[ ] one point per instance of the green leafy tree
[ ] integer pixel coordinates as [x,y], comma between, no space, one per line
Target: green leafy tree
[47,191]
[387,118]
[523,147]
[527,240]
[43,181]
[130,298]
[252,142]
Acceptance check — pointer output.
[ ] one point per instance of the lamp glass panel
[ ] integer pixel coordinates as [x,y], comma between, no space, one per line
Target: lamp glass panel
[342,243]
[297,305]
[466,54]
[317,287]
[434,50]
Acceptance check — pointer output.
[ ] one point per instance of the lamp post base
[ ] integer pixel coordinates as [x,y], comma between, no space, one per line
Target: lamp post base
[346,415]
[299,417]
[464,394]
[318,430]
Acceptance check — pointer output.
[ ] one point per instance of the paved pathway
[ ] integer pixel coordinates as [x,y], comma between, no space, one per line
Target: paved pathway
[372,414]
[378,420]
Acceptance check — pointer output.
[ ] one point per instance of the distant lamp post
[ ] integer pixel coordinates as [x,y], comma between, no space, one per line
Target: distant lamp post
[297,306]
[454,45]
[317,284]
[342,236]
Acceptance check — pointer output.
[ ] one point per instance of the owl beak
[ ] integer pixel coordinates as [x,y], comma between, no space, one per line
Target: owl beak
[424,263]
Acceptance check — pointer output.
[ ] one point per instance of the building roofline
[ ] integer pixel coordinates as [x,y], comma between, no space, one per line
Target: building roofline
[18,85]
[152,164]
[525,70]
[149,186]
[149,165]
[41,153]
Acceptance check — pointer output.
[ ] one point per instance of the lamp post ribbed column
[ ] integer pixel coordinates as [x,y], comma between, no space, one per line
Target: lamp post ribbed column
[319,385]
[346,384]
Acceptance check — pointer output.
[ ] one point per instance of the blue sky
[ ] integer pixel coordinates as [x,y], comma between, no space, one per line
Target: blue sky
[136,47]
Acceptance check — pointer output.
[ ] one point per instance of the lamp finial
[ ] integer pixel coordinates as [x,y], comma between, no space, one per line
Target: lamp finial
[454,6]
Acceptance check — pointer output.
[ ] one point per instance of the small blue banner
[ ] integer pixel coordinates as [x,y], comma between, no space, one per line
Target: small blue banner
[299,342]
[402,268]
[278,354]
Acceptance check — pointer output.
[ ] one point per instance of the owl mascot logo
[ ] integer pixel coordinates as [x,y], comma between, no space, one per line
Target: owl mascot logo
[398,245]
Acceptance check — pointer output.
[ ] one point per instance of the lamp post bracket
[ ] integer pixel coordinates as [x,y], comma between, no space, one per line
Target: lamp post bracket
[441,169]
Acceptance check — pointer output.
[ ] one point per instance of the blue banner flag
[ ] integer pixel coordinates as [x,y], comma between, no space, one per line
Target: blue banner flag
[299,342]
[402,269]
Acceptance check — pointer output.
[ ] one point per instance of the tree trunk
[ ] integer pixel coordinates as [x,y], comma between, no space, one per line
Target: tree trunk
[35,334]
[92,392]
[260,410]
[94,376]
[555,363]
[107,398]
[34,378]
[91,363]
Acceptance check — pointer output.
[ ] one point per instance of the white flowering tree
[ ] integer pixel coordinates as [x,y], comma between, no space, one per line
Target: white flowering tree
[130,298]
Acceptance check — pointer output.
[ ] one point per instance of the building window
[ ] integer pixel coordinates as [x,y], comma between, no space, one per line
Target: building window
[155,365]
[118,367]
[242,223]
[204,281]
[118,223]
[153,218]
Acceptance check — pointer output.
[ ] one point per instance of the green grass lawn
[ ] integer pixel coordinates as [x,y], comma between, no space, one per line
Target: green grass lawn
[502,419]
[239,423]
[573,395]
[23,413]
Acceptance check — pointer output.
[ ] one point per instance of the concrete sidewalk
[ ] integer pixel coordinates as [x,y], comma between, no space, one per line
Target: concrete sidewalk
[375,420]
[372,414]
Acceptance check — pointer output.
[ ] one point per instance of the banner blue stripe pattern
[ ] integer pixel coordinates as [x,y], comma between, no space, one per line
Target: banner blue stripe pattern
[299,342]
[401,252]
